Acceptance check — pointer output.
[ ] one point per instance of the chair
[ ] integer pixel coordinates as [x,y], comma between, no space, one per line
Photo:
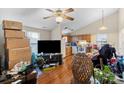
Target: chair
[82,69]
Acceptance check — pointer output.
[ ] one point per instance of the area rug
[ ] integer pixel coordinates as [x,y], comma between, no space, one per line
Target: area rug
[48,69]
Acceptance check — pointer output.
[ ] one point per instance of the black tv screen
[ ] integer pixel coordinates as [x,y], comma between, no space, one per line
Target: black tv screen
[49,46]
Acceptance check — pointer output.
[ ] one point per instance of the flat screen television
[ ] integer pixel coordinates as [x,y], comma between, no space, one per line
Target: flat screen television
[49,46]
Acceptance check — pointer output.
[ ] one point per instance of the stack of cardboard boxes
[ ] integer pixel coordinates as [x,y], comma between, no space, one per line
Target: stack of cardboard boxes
[17,46]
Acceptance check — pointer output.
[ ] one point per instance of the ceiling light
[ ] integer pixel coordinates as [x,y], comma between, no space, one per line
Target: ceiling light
[66,31]
[59,19]
[103,27]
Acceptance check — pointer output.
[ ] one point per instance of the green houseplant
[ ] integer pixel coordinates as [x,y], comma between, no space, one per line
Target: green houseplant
[104,76]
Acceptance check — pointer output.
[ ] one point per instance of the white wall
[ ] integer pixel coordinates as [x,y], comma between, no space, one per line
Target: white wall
[56,34]
[112,33]
[2,43]
[1,39]
[121,31]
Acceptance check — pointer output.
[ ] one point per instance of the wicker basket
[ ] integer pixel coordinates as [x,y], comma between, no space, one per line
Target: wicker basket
[82,68]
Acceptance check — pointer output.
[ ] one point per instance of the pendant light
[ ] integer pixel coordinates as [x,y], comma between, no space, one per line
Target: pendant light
[103,27]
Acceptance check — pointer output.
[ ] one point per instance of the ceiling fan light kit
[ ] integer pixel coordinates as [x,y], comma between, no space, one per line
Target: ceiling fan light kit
[59,19]
[60,15]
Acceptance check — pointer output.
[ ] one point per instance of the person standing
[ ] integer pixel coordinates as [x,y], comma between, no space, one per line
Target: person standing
[105,53]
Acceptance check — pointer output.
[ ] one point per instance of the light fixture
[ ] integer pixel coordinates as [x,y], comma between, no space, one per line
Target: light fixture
[103,27]
[66,31]
[59,19]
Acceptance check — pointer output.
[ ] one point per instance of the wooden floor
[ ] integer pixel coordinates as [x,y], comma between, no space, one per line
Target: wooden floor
[60,75]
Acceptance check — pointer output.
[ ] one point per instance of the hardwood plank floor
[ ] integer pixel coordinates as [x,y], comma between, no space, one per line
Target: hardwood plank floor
[60,75]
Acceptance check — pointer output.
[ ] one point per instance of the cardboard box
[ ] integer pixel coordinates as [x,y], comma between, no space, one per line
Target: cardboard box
[17,55]
[14,34]
[12,25]
[12,43]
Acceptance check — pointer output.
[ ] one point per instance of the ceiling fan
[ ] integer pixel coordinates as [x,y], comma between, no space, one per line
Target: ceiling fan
[60,14]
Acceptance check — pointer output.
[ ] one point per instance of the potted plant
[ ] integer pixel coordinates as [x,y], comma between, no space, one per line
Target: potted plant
[104,76]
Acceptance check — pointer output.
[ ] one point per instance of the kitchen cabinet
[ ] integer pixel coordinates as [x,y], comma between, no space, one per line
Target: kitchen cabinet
[68,51]
[68,38]
[86,37]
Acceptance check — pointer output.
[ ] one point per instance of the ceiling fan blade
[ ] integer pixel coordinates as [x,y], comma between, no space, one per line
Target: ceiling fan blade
[69,18]
[68,10]
[48,17]
[50,10]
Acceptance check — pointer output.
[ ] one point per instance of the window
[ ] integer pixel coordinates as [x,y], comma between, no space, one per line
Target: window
[34,37]
[101,39]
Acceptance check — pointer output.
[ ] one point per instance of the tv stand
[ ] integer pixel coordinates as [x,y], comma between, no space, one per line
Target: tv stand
[52,58]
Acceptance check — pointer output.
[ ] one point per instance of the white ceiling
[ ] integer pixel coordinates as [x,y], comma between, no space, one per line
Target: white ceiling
[34,17]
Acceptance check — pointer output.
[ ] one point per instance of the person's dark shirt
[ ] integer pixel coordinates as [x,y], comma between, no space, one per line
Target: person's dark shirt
[113,50]
[105,52]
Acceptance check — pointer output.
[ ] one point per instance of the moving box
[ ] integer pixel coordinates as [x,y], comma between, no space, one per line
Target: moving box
[17,55]
[17,46]
[16,43]
[14,34]
[12,25]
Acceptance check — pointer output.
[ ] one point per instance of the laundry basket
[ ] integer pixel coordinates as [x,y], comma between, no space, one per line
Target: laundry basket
[82,69]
